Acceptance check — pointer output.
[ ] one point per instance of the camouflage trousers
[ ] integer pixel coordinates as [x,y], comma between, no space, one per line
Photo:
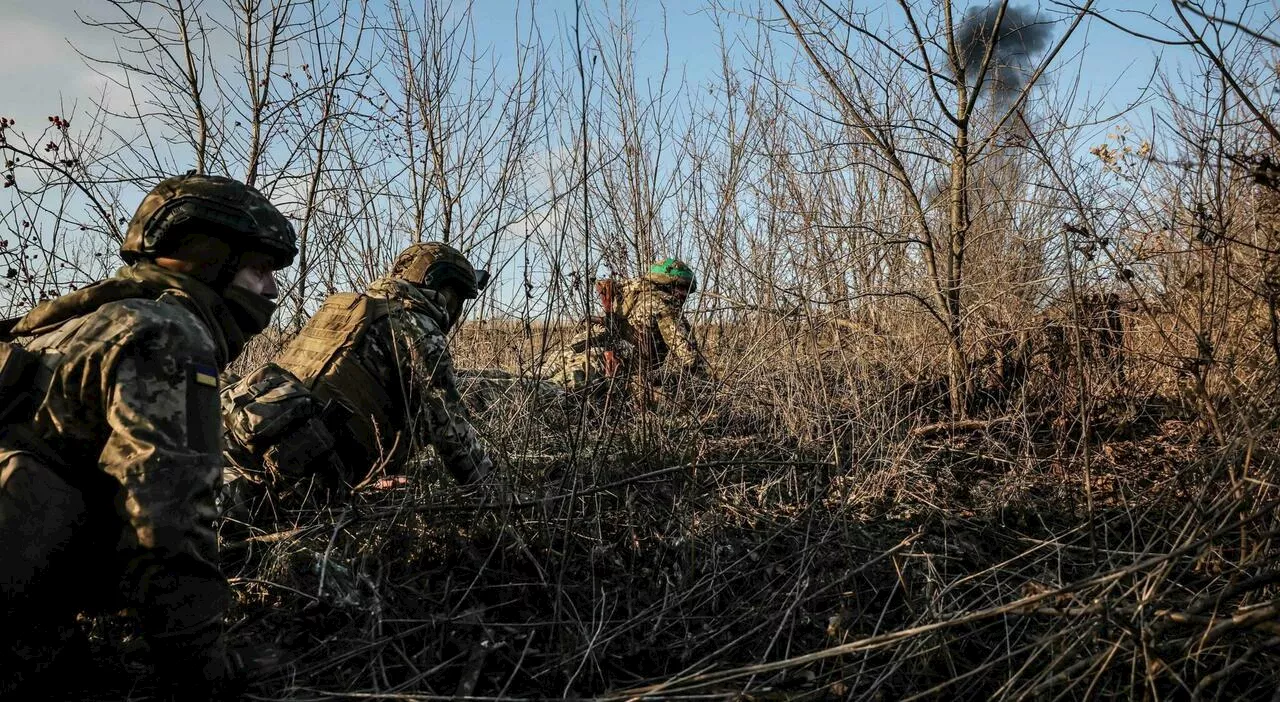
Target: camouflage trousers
[61,557]
[601,374]
[596,369]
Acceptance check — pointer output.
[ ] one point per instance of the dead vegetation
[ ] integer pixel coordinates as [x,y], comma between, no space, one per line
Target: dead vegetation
[743,543]
[993,409]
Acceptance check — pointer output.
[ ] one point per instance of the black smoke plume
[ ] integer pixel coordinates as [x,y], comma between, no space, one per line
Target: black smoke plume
[1022,36]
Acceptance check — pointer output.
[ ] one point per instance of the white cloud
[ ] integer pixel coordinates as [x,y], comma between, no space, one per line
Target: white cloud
[40,72]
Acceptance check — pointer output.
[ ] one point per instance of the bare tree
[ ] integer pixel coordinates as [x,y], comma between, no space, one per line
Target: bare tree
[932,147]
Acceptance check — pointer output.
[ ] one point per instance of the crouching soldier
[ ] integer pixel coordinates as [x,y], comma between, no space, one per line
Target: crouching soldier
[366,381]
[642,336]
[110,451]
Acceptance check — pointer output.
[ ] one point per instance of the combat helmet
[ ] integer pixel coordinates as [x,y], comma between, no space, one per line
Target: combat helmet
[674,272]
[222,207]
[434,264]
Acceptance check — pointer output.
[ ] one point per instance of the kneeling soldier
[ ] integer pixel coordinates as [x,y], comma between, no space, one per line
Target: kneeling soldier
[111,448]
[368,379]
[642,338]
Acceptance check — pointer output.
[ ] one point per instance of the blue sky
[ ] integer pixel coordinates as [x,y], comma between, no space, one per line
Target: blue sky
[1115,69]
[40,73]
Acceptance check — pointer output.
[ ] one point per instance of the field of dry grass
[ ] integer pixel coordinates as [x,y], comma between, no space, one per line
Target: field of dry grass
[994,341]
[806,525]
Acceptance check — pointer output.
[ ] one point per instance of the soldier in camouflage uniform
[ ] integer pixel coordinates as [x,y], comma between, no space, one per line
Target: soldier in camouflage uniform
[366,381]
[642,336]
[111,450]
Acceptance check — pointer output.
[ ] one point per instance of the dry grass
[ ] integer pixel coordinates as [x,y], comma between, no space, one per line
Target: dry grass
[802,529]
[810,523]
[803,526]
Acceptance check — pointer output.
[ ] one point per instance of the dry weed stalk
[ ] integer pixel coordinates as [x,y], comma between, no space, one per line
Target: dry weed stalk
[989,418]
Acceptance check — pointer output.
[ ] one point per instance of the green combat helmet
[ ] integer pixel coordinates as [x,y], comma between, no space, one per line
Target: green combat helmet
[672,271]
[222,207]
[434,265]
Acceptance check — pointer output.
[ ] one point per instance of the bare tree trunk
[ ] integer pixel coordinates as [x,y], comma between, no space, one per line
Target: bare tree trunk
[193,84]
[957,370]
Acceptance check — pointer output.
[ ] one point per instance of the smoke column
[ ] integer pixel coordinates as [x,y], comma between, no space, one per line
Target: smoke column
[1022,35]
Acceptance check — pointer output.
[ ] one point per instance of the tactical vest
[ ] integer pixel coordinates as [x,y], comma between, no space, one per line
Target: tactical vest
[324,357]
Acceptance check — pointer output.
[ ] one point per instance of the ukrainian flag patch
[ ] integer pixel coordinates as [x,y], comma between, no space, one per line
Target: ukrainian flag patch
[204,375]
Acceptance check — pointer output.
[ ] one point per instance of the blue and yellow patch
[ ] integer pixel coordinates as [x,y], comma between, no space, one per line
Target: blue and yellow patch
[204,424]
[204,375]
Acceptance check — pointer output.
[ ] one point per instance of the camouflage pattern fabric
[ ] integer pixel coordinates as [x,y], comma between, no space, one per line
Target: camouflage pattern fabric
[407,352]
[595,361]
[122,458]
[238,213]
[647,335]
[433,263]
[274,431]
[278,452]
[410,348]
[653,321]
[493,389]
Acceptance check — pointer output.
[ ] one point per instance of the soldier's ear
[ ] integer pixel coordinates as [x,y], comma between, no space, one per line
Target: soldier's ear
[199,255]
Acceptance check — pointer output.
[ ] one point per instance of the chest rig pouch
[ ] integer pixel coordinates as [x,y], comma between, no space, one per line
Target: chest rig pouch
[272,416]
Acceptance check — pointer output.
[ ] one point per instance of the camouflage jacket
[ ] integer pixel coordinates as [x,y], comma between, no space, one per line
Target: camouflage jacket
[406,353]
[130,415]
[645,332]
[653,322]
